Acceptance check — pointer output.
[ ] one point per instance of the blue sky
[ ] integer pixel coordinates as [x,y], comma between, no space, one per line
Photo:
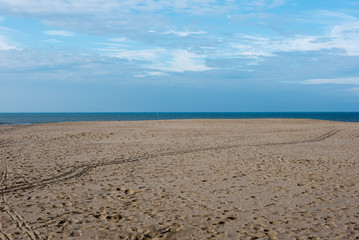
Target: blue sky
[179,55]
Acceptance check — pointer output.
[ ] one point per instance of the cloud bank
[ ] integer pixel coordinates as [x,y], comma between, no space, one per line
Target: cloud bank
[230,39]
[59,33]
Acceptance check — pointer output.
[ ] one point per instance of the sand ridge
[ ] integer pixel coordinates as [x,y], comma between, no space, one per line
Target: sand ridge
[180,179]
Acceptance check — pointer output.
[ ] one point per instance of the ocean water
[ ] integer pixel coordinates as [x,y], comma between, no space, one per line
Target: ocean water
[35,118]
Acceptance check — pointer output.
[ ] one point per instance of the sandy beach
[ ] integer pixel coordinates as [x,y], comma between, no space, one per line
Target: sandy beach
[180,179]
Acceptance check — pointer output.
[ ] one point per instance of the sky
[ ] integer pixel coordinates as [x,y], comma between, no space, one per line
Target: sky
[179,55]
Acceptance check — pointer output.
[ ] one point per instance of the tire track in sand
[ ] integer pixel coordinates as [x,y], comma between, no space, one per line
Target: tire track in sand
[20,223]
[3,176]
[72,173]
[78,171]
[14,216]
[317,139]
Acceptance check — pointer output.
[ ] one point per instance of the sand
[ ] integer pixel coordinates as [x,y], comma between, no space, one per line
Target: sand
[180,179]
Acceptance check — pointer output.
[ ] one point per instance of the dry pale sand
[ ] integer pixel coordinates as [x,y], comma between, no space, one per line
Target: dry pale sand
[181,179]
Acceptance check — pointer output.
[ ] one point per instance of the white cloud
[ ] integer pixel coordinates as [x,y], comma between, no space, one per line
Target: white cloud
[5,44]
[118,39]
[36,7]
[184,33]
[251,46]
[182,61]
[346,40]
[32,59]
[346,36]
[52,40]
[341,81]
[150,74]
[139,55]
[110,15]
[267,3]
[37,65]
[59,33]
[165,60]
[348,81]
[354,90]
[111,45]
[342,36]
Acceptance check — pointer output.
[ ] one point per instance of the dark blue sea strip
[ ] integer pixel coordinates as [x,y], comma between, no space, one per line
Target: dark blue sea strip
[35,118]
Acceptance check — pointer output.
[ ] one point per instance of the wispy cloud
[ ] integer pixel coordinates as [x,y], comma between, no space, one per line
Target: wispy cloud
[266,3]
[354,90]
[6,44]
[137,55]
[33,59]
[64,66]
[165,60]
[112,45]
[52,40]
[341,81]
[61,33]
[150,74]
[343,37]
[182,61]
[125,16]
[348,81]
[184,33]
[73,6]
[122,39]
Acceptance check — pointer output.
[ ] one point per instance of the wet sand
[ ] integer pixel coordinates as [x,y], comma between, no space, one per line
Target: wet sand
[180,179]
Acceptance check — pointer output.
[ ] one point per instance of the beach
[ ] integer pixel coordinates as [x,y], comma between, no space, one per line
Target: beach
[180,179]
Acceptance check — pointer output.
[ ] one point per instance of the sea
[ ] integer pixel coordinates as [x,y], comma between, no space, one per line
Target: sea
[36,118]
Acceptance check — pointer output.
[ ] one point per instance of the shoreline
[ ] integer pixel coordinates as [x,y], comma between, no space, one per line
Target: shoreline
[190,119]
